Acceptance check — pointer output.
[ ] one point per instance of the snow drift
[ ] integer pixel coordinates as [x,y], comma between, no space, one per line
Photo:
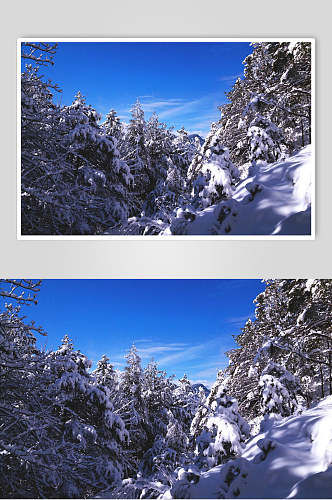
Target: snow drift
[274,199]
[292,459]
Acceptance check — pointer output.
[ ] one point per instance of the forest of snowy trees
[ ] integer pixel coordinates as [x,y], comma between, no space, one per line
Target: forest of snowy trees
[67,431]
[83,177]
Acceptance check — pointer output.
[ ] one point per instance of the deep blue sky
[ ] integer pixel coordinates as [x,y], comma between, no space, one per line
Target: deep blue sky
[183,82]
[185,325]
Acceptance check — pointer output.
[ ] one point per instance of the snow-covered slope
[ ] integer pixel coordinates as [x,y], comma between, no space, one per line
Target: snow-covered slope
[292,459]
[274,199]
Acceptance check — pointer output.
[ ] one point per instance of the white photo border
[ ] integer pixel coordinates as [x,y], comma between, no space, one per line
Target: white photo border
[276,237]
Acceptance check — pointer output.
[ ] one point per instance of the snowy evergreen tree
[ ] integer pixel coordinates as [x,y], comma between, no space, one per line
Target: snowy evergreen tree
[278,389]
[168,452]
[68,164]
[233,130]
[218,428]
[135,412]
[184,403]
[183,148]
[89,426]
[95,160]
[169,448]
[157,396]
[291,330]
[25,453]
[243,377]
[113,126]
[168,183]
[280,73]
[211,173]
[264,137]
[105,374]
[39,144]
[136,155]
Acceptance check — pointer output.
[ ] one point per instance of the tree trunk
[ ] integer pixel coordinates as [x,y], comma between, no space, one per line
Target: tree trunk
[321,380]
[330,367]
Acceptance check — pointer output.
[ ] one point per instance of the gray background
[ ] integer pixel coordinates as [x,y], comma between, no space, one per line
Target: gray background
[166,259]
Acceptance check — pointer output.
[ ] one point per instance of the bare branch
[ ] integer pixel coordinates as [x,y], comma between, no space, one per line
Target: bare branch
[16,290]
[40,52]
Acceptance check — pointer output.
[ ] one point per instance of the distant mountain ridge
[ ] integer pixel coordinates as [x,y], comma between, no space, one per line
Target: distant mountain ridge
[197,386]
[192,137]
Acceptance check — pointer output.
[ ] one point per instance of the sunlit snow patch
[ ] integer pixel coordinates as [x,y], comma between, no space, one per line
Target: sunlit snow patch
[274,199]
[292,459]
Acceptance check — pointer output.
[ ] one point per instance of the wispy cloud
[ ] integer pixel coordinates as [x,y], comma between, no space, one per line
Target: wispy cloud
[153,350]
[151,104]
[238,319]
[227,78]
[209,372]
[143,340]
[190,353]
[156,104]
[183,109]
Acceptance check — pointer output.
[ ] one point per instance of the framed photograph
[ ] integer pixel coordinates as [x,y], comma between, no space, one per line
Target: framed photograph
[202,399]
[154,138]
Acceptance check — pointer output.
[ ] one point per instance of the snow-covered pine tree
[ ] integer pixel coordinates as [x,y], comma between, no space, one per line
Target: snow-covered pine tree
[278,391]
[168,184]
[291,329]
[280,73]
[233,131]
[105,374]
[212,175]
[169,441]
[218,428]
[258,346]
[264,137]
[29,451]
[184,403]
[93,434]
[136,155]
[242,374]
[113,126]
[157,396]
[68,163]
[134,409]
[159,145]
[309,337]
[39,146]
[184,149]
[289,90]
[103,178]
[168,452]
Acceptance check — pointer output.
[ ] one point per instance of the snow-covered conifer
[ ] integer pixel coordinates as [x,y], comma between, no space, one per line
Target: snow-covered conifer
[113,126]
[89,425]
[218,428]
[105,374]
[134,409]
[278,390]
[184,403]
[136,155]
[211,173]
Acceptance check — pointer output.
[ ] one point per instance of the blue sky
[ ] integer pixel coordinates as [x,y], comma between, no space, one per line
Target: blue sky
[183,82]
[185,325]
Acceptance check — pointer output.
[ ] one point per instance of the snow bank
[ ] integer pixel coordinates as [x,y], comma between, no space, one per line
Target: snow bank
[292,459]
[274,199]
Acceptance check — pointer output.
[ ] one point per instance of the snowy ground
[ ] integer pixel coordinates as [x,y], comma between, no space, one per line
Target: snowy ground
[293,459]
[274,199]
